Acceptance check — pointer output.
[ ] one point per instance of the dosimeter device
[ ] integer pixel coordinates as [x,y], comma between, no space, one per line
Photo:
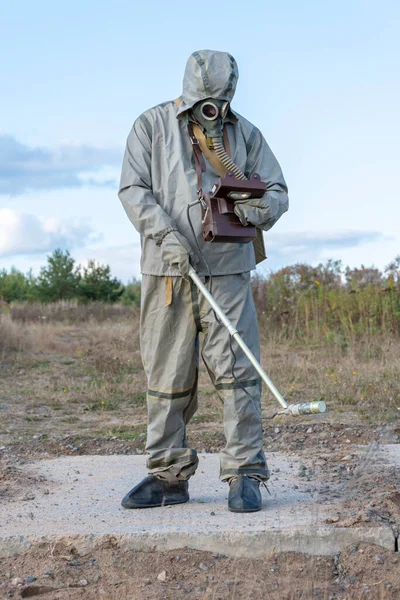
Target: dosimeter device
[220,223]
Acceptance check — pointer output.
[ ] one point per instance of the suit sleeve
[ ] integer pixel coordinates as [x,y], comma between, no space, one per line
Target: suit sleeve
[275,201]
[135,192]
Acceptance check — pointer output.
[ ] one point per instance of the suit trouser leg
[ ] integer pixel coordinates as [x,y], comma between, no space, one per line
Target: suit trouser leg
[243,453]
[169,347]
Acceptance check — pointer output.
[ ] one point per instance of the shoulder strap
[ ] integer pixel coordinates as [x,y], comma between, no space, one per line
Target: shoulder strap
[198,159]
[208,153]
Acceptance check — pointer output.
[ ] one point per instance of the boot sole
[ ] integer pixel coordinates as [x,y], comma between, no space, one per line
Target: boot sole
[244,510]
[138,506]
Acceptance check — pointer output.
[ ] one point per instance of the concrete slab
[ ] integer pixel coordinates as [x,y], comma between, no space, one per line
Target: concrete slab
[83,509]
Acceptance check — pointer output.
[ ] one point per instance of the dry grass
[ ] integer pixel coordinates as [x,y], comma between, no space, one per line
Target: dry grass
[87,379]
[358,381]
[67,311]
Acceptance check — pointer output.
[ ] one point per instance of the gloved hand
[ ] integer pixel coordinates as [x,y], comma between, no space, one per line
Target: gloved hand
[256,211]
[176,251]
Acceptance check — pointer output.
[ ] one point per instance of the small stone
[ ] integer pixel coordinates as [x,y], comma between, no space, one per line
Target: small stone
[379,559]
[203,567]
[28,496]
[309,430]
[16,581]
[212,513]
[332,519]
[82,582]
[348,441]
[30,579]
[96,578]
[74,563]
[277,430]
[352,579]
[348,457]
[162,576]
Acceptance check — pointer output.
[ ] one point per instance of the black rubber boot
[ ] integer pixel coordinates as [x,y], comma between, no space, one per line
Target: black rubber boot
[244,494]
[152,492]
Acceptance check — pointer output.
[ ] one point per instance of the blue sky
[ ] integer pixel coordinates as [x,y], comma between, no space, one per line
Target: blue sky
[320,79]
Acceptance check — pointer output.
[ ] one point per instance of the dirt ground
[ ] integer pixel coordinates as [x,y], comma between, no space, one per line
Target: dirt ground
[59,573]
[68,390]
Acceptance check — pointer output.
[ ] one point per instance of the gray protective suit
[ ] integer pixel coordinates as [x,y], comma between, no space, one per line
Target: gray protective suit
[158,181]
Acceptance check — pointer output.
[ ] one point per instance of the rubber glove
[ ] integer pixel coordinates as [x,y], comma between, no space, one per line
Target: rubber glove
[261,212]
[176,252]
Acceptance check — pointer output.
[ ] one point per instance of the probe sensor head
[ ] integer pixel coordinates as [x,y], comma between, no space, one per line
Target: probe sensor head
[307,408]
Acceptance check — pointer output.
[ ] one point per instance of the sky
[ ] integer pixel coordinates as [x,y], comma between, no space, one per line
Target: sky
[319,79]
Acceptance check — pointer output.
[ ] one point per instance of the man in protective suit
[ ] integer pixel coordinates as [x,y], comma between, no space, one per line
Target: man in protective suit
[158,182]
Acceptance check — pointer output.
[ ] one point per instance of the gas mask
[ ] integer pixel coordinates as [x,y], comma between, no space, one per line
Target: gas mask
[211,114]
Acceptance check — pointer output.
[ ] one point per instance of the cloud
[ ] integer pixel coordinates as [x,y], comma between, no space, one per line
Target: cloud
[311,241]
[22,233]
[24,168]
[312,247]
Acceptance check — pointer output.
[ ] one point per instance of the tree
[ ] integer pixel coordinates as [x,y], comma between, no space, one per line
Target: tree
[131,293]
[15,286]
[59,280]
[360,278]
[96,283]
[393,271]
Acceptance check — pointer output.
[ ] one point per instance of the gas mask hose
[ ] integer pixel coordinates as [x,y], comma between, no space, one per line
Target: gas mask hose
[226,160]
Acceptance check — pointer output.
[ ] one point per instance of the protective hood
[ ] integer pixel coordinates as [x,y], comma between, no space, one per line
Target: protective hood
[208,74]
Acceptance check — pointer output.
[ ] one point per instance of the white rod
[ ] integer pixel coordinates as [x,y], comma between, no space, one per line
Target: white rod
[235,334]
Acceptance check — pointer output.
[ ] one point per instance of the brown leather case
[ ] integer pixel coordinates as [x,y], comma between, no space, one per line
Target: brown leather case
[220,224]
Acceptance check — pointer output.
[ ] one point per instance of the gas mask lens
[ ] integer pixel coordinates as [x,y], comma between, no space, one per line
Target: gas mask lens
[209,111]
